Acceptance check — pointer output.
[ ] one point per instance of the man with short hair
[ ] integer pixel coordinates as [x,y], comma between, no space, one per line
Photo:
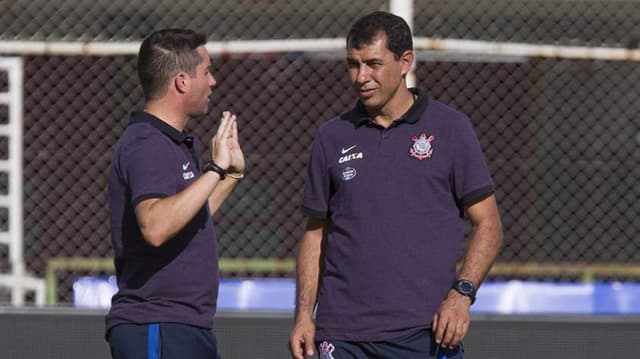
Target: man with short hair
[161,201]
[387,188]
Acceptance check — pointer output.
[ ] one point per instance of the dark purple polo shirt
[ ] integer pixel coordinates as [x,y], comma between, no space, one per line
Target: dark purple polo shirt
[395,201]
[178,281]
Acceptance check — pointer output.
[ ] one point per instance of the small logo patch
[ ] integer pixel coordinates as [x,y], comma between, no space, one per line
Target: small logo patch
[345,150]
[348,173]
[421,147]
[185,166]
[188,175]
[325,350]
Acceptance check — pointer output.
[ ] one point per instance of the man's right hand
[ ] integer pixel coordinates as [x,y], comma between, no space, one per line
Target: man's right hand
[222,142]
[301,341]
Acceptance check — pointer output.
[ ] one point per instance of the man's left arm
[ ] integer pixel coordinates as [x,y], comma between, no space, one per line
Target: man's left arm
[451,322]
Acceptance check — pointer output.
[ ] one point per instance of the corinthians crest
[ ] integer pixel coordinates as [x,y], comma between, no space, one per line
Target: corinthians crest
[421,147]
[325,350]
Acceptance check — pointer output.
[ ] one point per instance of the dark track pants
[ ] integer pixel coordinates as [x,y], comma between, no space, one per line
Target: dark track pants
[162,341]
[420,345]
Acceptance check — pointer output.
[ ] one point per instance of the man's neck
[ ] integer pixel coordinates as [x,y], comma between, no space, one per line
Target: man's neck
[394,109]
[168,114]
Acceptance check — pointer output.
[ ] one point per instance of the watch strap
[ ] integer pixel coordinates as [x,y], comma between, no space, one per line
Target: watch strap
[466,288]
[212,166]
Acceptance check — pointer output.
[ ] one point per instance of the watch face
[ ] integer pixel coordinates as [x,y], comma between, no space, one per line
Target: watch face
[466,287]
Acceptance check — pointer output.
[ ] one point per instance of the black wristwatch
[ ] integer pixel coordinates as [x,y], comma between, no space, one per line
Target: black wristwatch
[466,288]
[212,166]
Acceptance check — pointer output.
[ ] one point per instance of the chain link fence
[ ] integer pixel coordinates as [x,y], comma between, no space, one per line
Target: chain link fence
[562,137]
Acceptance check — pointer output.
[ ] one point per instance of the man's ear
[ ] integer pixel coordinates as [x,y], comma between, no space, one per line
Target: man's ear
[181,82]
[407,61]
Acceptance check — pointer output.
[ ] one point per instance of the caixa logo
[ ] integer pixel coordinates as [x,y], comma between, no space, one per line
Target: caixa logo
[353,156]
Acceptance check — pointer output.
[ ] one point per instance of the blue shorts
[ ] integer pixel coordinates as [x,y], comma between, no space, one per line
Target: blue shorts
[162,341]
[419,345]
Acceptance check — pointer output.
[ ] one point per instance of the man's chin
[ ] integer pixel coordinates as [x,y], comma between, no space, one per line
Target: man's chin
[369,102]
[199,113]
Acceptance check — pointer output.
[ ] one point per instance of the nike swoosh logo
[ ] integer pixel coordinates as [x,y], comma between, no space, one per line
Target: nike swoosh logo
[345,150]
[185,166]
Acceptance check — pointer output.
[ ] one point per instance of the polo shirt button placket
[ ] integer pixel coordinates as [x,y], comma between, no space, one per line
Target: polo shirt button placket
[384,141]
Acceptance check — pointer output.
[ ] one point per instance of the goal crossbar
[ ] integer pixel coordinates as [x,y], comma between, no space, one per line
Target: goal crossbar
[498,49]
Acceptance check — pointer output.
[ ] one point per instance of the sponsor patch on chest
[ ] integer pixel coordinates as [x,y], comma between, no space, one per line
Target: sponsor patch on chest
[351,157]
[187,175]
[348,173]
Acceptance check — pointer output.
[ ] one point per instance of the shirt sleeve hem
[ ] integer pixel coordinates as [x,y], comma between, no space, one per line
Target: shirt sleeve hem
[143,197]
[477,195]
[313,213]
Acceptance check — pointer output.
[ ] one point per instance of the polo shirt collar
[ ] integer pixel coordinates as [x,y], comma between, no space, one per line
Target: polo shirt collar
[175,135]
[361,116]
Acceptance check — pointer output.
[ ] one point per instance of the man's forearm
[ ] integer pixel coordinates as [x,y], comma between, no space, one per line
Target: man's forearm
[308,271]
[220,193]
[485,242]
[482,252]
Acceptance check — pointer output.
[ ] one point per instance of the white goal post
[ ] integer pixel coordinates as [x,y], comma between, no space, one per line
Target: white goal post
[17,280]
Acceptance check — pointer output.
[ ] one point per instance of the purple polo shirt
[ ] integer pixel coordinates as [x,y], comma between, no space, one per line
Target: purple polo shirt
[178,281]
[395,200]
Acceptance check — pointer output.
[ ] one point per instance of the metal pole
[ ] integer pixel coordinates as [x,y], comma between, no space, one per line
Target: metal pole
[15,180]
[404,9]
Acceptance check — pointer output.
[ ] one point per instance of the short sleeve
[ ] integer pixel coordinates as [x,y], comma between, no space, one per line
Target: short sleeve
[316,189]
[470,175]
[145,169]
